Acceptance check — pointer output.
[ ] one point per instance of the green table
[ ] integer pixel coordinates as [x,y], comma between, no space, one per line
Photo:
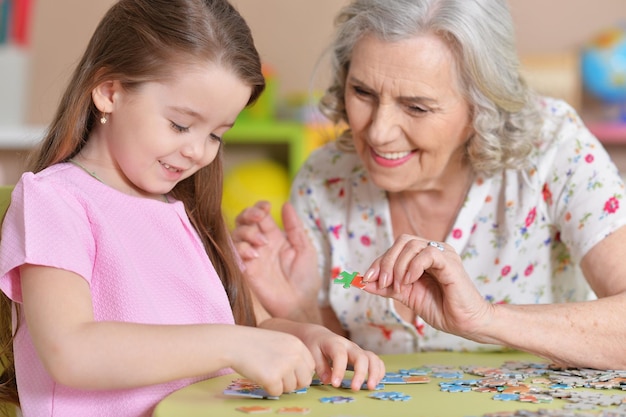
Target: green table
[206,398]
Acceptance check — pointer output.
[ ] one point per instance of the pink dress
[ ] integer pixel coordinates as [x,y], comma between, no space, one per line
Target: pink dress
[142,259]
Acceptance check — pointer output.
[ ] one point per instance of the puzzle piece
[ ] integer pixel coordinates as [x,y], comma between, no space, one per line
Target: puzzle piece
[255,409]
[337,399]
[446,387]
[390,395]
[347,383]
[243,387]
[250,393]
[358,282]
[397,379]
[345,278]
[293,410]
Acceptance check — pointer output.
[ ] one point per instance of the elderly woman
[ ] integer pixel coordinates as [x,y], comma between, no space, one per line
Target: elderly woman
[477,212]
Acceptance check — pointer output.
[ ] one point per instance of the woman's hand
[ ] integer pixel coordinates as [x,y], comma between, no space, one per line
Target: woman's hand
[281,266]
[433,283]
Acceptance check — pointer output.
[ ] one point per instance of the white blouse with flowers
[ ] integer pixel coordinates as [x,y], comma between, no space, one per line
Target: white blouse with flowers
[521,234]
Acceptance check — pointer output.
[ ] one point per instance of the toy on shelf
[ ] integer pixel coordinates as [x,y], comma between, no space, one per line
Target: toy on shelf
[265,107]
[603,66]
[249,182]
[603,70]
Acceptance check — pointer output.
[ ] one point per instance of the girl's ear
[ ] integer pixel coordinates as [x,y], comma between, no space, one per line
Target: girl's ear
[104,95]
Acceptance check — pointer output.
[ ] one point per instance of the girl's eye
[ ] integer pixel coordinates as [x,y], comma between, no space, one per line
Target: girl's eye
[216,138]
[179,128]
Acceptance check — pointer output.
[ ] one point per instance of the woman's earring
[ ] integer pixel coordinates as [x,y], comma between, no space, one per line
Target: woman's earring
[103,119]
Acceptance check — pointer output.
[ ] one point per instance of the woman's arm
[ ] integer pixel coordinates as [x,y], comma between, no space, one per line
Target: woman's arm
[434,284]
[591,333]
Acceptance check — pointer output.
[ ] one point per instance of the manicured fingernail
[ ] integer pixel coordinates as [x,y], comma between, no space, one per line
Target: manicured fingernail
[368,275]
[383,280]
[262,238]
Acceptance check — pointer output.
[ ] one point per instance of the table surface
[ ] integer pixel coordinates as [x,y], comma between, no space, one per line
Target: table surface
[206,398]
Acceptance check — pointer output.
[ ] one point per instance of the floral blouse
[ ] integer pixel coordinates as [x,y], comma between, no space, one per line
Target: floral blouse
[521,233]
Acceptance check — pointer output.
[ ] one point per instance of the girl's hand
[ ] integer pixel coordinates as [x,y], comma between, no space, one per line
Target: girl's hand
[431,280]
[281,267]
[277,361]
[333,354]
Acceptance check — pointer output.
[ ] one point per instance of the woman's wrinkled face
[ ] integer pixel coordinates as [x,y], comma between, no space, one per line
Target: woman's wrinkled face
[409,120]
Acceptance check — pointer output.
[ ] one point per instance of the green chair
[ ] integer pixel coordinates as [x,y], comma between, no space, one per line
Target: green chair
[5,199]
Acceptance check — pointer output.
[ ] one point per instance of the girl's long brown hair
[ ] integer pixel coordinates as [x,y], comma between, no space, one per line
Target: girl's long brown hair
[139,41]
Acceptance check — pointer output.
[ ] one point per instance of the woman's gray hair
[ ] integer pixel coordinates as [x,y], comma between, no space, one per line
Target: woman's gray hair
[480,34]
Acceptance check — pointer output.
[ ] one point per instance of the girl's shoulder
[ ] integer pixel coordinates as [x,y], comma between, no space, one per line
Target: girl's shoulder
[61,179]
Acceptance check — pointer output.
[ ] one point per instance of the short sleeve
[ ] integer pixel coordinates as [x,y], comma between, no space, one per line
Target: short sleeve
[44,225]
[583,188]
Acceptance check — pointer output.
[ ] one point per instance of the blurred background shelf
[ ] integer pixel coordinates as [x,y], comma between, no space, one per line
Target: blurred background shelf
[609,133]
[550,37]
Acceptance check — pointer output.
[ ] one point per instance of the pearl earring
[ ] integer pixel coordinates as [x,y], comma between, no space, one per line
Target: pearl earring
[103,119]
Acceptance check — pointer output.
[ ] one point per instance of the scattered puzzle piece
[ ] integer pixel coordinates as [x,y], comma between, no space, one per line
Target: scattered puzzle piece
[254,409]
[294,410]
[347,383]
[390,395]
[336,399]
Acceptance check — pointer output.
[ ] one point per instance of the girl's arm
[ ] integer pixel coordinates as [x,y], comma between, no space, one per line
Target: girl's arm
[82,353]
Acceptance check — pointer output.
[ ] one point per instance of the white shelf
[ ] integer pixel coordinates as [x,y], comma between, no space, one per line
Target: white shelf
[20,137]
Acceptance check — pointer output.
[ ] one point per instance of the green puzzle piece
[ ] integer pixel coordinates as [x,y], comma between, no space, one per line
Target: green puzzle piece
[346,280]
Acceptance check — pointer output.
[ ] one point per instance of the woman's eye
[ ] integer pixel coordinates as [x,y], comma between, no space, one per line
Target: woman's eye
[360,92]
[179,128]
[417,109]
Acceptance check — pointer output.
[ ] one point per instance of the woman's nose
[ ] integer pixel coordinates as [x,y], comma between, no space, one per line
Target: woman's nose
[384,126]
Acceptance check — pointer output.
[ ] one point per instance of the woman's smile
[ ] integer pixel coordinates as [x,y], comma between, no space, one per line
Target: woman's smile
[391,159]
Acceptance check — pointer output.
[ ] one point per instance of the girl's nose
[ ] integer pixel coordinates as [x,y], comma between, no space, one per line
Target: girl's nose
[194,149]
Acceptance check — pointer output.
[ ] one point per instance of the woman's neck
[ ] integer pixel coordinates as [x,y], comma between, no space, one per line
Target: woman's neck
[430,213]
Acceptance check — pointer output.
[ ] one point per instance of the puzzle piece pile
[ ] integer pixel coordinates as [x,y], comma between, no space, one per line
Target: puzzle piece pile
[548,382]
[538,383]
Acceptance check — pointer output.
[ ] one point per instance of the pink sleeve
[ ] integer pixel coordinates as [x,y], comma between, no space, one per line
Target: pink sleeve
[44,225]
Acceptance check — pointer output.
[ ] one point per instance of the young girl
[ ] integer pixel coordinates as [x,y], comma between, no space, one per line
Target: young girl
[114,250]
